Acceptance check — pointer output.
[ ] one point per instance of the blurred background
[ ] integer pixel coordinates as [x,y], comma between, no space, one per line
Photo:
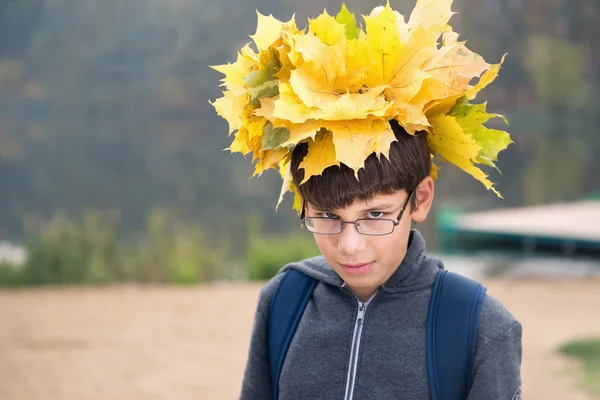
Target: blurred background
[126,231]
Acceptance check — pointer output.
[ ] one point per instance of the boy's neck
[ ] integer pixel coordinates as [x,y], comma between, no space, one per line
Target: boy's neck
[363,294]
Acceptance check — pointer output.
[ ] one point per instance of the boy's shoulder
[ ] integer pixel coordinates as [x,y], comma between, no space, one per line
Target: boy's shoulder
[315,267]
[495,322]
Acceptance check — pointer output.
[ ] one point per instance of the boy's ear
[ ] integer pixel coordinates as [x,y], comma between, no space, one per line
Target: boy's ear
[424,200]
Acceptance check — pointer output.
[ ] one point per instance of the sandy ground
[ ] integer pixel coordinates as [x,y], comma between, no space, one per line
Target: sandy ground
[173,343]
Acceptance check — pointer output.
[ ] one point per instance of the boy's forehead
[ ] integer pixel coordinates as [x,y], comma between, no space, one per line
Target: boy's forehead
[389,200]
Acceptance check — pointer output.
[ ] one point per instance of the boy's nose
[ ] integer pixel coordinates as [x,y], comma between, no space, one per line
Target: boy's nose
[350,241]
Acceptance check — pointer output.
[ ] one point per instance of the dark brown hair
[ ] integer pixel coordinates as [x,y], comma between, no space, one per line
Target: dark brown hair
[409,163]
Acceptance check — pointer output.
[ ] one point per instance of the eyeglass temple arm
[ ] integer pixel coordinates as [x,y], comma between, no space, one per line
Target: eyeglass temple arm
[410,195]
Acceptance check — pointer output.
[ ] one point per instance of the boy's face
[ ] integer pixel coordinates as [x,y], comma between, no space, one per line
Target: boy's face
[367,262]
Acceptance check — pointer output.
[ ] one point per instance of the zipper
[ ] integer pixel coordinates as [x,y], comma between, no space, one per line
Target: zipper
[356,336]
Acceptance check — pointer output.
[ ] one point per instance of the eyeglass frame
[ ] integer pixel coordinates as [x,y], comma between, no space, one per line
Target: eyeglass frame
[342,222]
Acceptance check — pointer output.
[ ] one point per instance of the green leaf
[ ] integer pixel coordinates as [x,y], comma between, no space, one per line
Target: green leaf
[471,118]
[267,89]
[257,78]
[347,18]
[273,138]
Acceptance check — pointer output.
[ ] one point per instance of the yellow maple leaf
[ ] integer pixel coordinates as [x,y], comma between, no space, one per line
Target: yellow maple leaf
[434,169]
[397,64]
[240,143]
[384,136]
[488,77]
[450,70]
[289,57]
[285,171]
[347,106]
[336,88]
[402,25]
[235,73]
[230,107]
[442,106]
[328,71]
[298,132]
[269,159]
[255,124]
[321,155]
[297,198]
[269,29]
[327,29]
[431,15]
[355,140]
[289,106]
[302,132]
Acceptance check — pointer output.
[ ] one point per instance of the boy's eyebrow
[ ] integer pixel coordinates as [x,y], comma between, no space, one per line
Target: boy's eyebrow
[376,207]
[379,207]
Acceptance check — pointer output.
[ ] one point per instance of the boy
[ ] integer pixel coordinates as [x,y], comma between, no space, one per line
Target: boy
[352,120]
[387,279]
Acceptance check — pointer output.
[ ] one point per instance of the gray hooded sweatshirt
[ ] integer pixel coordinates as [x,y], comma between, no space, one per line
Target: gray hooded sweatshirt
[345,349]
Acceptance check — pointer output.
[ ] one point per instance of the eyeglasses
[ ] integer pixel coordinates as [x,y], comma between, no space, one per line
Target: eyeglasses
[364,226]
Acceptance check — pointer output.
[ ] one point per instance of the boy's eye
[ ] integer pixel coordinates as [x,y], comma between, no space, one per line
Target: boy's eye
[328,215]
[375,214]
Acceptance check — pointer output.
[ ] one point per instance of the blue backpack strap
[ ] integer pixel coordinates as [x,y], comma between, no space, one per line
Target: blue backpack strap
[452,326]
[285,311]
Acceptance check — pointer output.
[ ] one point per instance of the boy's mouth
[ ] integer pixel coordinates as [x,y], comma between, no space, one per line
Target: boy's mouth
[358,268]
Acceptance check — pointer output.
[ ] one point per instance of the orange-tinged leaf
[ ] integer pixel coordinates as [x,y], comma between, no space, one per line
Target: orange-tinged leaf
[488,77]
[442,106]
[451,69]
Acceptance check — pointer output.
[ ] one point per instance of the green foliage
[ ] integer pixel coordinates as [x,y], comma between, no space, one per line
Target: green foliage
[64,251]
[268,255]
[86,251]
[588,352]
[557,68]
[173,252]
[11,276]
